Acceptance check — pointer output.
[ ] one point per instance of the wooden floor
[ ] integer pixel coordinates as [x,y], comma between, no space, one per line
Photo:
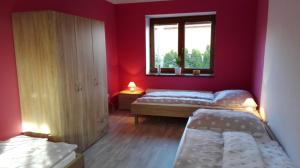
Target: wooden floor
[151,144]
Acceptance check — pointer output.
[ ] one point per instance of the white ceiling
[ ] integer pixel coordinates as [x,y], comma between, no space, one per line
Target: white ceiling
[131,1]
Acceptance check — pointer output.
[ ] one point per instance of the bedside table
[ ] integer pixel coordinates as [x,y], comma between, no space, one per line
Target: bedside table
[126,97]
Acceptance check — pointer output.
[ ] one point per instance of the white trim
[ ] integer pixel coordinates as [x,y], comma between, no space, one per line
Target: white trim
[132,1]
[147,22]
[181,14]
[147,45]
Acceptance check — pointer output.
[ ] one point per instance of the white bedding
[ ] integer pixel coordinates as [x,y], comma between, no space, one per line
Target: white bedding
[200,149]
[230,149]
[238,99]
[24,151]
[64,162]
[202,103]
[174,100]
[274,156]
[182,94]
[241,151]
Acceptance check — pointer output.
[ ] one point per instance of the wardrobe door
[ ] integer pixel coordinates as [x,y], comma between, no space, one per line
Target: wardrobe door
[72,116]
[86,80]
[38,76]
[100,84]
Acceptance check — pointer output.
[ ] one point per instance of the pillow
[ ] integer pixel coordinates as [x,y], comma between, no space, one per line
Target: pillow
[234,98]
[227,120]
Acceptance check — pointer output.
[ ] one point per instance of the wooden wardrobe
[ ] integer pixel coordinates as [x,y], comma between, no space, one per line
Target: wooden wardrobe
[61,65]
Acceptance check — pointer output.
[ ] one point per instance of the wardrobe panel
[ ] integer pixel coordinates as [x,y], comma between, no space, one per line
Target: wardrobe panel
[38,76]
[86,80]
[100,93]
[97,29]
[73,113]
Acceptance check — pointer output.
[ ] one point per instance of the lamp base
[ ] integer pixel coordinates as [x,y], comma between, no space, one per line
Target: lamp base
[132,89]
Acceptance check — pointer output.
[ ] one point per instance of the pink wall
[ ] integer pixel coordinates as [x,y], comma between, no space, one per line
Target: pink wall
[259,50]
[235,66]
[10,123]
[235,31]
[9,95]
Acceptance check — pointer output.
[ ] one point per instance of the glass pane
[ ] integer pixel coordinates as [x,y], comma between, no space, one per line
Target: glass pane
[166,45]
[197,45]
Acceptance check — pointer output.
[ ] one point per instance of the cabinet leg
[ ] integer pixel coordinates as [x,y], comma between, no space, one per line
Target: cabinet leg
[136,119]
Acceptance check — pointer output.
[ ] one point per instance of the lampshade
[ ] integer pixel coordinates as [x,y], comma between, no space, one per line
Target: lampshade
[131,85]
[249,102]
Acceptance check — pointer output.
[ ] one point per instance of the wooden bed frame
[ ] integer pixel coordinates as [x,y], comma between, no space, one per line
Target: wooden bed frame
[78,162]
[158,109]
[170,110]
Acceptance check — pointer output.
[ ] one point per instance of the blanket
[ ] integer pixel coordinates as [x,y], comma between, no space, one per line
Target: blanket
[229,149]
[182,94]
[241,150]
[23,151]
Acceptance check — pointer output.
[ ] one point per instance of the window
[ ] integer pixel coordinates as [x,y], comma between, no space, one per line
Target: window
[185,42]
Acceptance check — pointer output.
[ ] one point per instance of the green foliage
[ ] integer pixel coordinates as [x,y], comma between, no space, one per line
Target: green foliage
[206,58]
[170,59]
[177,60]
[195,60]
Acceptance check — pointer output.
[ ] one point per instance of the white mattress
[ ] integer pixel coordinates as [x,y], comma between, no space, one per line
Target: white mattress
[174,100]
[24,151]
[64,162]
[180,94]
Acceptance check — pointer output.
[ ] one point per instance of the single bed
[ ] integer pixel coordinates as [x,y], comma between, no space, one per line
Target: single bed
[182,103]
[227,139]
[27,151]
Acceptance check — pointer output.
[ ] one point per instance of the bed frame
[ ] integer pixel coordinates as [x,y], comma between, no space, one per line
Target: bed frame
[78,162]
[171,110]
[158,109]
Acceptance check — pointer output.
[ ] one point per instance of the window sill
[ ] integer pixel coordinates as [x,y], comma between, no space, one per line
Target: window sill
[182,75]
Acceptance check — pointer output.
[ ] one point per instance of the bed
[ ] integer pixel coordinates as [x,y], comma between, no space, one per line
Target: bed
[227,139]
[27,151]
[182,103]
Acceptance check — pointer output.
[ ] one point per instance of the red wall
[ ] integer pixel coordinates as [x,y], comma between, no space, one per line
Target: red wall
[259,50]
[9,96]
[10,122]
[234,43]
[235,65]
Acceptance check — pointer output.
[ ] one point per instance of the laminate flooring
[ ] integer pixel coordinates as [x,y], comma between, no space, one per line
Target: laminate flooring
[150,144]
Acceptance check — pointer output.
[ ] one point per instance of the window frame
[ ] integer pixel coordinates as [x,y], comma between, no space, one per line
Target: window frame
[181,41]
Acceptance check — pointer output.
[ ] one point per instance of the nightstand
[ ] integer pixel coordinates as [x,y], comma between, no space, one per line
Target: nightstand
[126,97]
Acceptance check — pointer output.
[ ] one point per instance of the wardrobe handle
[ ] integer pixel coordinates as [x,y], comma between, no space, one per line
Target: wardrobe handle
[80,87]
[76,87]
[96,83]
